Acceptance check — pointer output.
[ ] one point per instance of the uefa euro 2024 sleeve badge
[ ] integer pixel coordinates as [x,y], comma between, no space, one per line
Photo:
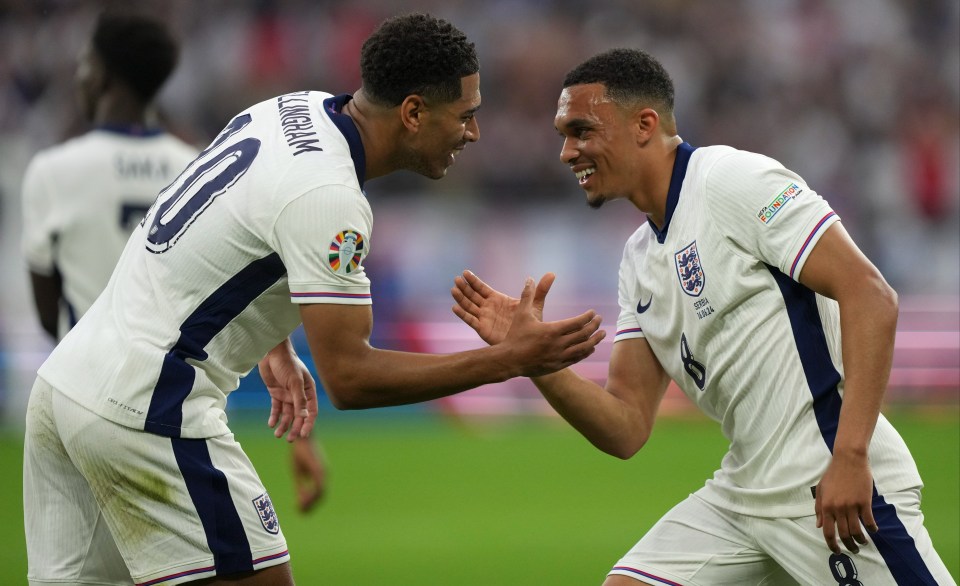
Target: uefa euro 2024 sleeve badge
[689,269]
[346,251]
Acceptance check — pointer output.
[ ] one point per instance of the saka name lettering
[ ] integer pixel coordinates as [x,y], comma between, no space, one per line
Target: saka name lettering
[297,124]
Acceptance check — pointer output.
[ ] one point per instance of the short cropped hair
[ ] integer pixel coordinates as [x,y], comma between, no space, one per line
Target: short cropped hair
[416,54]
[629,75]
[139,50]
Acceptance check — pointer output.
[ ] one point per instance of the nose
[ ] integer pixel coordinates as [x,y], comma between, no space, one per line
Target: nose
[568,152]
[472,133]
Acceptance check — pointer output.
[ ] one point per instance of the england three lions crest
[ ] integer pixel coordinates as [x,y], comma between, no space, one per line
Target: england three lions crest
[267,515]
[689,270]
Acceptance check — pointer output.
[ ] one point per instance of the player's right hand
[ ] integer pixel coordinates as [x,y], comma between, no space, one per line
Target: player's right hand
[293,392]
[844,500]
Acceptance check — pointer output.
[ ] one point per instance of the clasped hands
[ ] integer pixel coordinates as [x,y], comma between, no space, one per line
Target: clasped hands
[538,347]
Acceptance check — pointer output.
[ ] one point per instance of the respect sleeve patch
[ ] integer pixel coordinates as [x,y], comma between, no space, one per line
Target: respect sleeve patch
[768,213]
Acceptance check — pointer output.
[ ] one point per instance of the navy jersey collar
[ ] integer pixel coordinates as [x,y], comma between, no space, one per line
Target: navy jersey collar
[334,108]
[130,129]
[684,150]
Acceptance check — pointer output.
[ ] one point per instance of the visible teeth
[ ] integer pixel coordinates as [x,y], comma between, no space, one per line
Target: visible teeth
[581,174]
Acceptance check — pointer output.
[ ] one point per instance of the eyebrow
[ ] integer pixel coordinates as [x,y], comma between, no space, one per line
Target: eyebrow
[471,111]
[575,123]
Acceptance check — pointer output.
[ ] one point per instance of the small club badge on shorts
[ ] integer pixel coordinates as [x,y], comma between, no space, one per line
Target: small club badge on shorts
[267,515]
[346,251]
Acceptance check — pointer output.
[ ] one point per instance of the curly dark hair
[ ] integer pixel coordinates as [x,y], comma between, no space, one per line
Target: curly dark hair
[629,75]
[416,54]
[136,48]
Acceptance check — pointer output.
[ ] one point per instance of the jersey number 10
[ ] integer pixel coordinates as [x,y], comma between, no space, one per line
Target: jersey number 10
[208,176]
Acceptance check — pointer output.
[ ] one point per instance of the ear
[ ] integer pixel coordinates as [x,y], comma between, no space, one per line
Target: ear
[95,64]
[412,110]
[645,123]
[105,80]
[99,77]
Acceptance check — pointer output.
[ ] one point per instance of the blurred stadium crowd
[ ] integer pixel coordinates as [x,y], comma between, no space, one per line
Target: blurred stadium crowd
[861,97]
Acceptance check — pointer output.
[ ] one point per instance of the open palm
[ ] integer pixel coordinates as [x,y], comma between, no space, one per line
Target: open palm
[489,312]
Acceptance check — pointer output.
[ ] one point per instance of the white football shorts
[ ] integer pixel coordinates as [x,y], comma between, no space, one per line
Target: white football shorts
[108,504]
[699,544]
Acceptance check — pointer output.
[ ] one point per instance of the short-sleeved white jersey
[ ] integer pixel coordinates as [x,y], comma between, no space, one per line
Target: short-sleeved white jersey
[82,199]
[716,295]
[270,215]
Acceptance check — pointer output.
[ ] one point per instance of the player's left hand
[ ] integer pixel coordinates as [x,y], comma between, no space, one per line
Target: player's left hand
[293,392]
[488,311]
[844,498]
[309,473]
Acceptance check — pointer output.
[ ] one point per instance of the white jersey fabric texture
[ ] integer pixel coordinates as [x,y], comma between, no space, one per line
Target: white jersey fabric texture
[270,215]
[82,199]
[716,295]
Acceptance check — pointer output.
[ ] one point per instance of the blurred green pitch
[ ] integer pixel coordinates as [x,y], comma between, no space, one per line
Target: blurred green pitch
[421,501]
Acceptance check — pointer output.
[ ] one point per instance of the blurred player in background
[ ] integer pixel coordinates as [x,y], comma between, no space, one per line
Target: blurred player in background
[127,447]
[82,199]
[737,288]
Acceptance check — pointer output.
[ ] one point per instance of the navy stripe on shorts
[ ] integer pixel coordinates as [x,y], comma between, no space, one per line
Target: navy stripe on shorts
[894,543]
[211,498]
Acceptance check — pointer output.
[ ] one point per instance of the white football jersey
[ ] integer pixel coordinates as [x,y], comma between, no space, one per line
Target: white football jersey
[270,215]
[83,198]
[716,295]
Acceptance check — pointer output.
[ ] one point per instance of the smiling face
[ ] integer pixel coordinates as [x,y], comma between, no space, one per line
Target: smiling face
[445,129]
[599,142]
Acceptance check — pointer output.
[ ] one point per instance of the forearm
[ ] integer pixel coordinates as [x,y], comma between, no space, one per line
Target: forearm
[383,378]
[357,376]
[609,423]
[616,419]
[47,292]
[283,348]
[868,331]
[283,352]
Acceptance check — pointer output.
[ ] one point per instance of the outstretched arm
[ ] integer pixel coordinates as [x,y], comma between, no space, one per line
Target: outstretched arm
[868,321]
[358,376]
[617,418]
